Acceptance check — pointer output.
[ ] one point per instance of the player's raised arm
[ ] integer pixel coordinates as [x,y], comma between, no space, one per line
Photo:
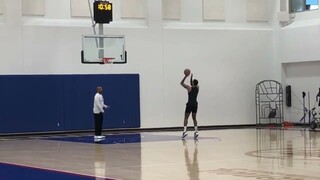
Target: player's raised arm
[184,85]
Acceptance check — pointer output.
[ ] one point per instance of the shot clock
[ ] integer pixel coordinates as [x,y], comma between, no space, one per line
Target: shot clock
[102,12]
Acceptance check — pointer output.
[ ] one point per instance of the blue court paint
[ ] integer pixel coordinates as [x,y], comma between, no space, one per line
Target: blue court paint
[110,139]
[16,172]
[130,138]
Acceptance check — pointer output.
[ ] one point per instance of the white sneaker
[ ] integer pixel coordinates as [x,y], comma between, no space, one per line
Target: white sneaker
[98,140]
[184,134]
[196,134]
[99,137]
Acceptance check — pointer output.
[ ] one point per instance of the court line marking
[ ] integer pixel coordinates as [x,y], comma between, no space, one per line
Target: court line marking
[55,170]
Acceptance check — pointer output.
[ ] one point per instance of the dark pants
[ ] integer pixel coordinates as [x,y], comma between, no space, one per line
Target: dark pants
[98,119]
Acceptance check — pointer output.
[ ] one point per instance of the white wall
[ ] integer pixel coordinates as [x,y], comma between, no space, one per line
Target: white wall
[303,77]
[214,10]
[256,10]
[228,64]
[298,57]
[33,7]
[1,6]
[171,9]
[11,38]
[228,58]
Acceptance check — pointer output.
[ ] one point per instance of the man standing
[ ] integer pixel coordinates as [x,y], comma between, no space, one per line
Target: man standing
[98,110]
[192,105]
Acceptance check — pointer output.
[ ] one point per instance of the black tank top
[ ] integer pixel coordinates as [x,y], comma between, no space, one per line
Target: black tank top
[192,96]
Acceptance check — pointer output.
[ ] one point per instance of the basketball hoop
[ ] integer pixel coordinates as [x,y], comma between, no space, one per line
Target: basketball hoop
[107,60]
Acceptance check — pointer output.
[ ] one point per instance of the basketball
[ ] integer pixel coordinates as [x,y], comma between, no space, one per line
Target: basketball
[187,72]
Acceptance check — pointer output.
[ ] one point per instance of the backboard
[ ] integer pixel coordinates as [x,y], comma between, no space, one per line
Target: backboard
[97,48]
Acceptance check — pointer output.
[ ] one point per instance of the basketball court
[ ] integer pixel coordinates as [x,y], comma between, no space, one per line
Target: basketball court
[217,154]
[250,57]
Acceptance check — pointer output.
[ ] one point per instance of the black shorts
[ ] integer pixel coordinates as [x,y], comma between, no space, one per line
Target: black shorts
[191,108]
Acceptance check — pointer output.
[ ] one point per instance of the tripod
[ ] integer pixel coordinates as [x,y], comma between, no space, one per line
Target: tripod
[306,111]
[315,120]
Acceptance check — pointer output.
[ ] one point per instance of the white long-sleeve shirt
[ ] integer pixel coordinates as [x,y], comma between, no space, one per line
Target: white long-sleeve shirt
[98,104]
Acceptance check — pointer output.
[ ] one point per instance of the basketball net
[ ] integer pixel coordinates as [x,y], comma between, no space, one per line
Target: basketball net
[107,60]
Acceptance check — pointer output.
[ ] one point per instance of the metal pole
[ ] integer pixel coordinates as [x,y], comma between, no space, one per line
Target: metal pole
[92,21]
[257,106]
[304,111]
[101,43]
[309,107]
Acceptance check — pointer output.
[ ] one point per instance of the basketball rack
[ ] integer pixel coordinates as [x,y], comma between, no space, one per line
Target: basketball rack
[269,103]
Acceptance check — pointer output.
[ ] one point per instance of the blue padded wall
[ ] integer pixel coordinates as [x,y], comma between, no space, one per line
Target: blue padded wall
[41,103]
